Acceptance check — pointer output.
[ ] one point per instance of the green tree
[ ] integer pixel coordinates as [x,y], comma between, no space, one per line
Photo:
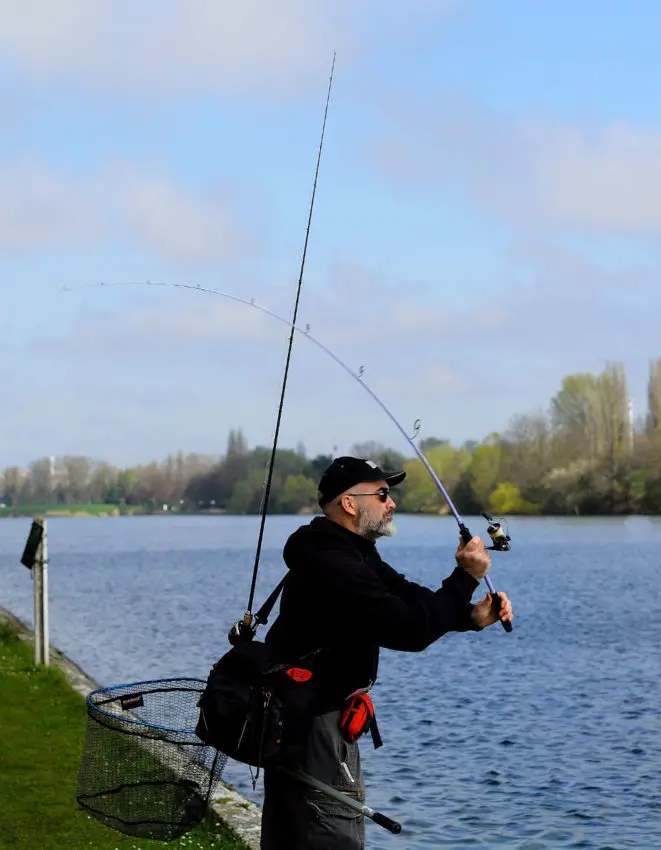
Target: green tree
[421,494]
[217,485]
[507,499]
[14,485]
[41,483]
[78,473]
[527,454]
[317,466]
[247,494]
[127,483]
[575,417]
[288,462]
[298,493]
[616,437]
[653,422]
[484,469]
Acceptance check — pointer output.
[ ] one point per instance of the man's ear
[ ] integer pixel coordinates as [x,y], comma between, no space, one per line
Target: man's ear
[347,503]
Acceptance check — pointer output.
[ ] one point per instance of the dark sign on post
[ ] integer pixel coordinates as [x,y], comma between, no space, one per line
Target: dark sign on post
[35,537]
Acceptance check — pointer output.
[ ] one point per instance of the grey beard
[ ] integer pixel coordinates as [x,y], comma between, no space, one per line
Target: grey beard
[374,528]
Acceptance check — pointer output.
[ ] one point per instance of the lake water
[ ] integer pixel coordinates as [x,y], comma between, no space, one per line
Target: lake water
[548,737]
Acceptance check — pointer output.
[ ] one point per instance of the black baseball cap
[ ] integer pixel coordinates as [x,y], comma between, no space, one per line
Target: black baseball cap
[344,472]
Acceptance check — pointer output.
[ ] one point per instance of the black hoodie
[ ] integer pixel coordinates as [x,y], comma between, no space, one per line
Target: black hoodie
[340,596]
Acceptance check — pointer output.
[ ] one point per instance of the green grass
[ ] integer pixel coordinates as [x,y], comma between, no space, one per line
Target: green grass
[63,510]
[43,729]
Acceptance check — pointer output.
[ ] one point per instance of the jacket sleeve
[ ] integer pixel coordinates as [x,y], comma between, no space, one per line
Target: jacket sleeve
[459,581]
[384,607]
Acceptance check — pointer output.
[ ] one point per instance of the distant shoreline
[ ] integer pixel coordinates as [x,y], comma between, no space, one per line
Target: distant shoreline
[105,511]
[112,511]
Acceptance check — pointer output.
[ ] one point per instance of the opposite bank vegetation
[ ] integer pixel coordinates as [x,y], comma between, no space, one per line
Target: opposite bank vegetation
[583,455]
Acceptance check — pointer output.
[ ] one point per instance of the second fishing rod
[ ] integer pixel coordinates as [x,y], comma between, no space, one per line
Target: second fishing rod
[248,620]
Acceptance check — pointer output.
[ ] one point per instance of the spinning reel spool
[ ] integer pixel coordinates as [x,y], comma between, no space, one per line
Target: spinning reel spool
[499,536]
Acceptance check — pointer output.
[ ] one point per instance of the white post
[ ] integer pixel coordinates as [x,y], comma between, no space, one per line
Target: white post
[45,642]
[40,576]
[37,578]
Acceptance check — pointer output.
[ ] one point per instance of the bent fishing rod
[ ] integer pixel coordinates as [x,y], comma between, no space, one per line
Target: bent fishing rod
[500,540]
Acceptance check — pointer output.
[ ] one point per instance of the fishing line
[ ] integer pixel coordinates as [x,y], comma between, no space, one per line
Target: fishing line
[495,531]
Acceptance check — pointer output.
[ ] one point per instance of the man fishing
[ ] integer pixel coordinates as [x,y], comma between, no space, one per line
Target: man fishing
[341,597]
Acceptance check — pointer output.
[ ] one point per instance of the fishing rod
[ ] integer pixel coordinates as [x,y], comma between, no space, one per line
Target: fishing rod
[247,623]
[500,539]
[378,817]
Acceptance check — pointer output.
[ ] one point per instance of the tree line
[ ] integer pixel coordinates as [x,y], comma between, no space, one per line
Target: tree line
[584,454]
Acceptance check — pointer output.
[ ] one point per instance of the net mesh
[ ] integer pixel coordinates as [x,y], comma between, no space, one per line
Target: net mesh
[144,771]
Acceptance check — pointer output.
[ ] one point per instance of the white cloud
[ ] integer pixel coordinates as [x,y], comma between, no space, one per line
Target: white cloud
[609,179]
[172,47]
[173,369]
[416,319]
[150,323]
[41,207]
[166,217]
[533,172]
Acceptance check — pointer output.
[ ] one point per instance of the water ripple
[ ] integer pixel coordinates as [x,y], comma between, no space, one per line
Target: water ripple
[544,739]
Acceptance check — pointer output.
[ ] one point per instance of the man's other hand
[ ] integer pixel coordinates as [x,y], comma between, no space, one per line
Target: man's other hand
[486,612]
[473,557]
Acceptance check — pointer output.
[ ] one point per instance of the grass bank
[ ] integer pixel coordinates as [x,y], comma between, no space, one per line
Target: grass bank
[43,729]
[64,510]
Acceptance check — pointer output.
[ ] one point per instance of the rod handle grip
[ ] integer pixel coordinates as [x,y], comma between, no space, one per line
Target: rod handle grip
[504,623]
[466,536]
[387,823]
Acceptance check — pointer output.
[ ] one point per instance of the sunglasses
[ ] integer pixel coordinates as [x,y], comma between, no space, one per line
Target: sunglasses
[383,493]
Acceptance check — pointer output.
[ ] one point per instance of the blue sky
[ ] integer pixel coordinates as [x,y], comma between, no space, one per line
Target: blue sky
[487,216]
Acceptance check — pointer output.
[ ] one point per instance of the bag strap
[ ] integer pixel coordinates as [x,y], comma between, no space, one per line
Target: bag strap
[262,616]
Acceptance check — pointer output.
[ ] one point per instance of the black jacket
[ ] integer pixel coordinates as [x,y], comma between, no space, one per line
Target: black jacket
[340,596]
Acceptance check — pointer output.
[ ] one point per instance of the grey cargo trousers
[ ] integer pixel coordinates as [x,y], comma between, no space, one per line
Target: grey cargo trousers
[296,817]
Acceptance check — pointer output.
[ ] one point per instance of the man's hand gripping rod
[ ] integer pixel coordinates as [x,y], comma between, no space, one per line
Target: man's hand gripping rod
[499,538]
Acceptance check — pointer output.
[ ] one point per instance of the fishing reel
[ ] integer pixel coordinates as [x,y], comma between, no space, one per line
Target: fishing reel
[499,536]
[242,631]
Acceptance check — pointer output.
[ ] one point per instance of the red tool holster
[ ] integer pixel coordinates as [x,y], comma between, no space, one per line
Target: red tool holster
[358,717]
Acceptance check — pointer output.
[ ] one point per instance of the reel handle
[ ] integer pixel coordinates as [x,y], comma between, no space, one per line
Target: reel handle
[466,536]
[240,632]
